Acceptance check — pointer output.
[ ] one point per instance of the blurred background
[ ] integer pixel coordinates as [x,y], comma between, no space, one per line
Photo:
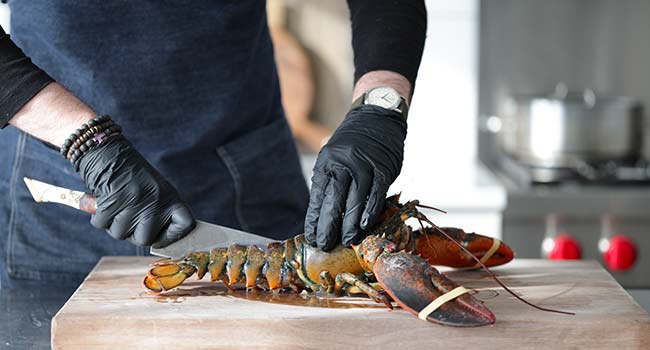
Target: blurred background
[528,121]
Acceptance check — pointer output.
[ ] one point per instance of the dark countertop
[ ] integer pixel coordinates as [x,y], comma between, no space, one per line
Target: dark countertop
[26,312]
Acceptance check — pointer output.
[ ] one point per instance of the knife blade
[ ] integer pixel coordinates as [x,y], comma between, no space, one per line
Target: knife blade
[204,236]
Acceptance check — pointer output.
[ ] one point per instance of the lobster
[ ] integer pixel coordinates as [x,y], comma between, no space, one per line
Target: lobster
[392,262]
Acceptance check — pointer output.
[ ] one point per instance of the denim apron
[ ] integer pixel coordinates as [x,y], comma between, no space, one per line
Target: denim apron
[194,85]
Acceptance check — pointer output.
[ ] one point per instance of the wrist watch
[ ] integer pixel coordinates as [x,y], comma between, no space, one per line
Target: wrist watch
[385,97]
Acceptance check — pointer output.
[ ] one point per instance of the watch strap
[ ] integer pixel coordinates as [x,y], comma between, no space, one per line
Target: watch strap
[403,108]
[359,101]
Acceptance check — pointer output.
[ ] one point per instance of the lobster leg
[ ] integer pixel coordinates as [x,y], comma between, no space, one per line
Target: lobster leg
[414,284]
[327,281]
[356,290]
[347,278]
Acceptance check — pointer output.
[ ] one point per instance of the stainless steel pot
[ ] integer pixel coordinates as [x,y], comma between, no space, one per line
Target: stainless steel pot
[564,129]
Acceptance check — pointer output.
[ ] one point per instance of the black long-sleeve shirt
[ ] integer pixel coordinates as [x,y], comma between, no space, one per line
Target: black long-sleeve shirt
[20,79]
[386,35]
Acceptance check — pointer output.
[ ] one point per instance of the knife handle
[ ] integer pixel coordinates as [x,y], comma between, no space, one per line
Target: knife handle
[88,203]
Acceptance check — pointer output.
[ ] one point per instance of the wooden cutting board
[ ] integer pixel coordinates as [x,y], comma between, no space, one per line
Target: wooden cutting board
[110,310]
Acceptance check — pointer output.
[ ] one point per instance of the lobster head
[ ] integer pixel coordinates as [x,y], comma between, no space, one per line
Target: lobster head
[371,248]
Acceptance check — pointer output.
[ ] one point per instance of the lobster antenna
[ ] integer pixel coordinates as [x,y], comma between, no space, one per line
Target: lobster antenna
[430,207]
[488,270]
[425,236]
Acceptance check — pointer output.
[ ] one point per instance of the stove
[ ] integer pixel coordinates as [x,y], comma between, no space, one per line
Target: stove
[601,212]
[607,173]
[582,209]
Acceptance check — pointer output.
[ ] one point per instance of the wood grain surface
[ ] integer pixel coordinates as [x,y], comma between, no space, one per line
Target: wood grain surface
[110,310]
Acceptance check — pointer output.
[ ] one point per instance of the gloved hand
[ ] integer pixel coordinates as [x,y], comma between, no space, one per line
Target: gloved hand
[132,197]
[352,174]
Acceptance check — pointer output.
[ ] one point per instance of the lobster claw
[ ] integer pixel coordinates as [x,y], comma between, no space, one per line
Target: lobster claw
[498,252]
[413,283]
[439,250]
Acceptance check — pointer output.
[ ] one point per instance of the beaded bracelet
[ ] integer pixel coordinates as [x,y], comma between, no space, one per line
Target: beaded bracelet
[86,137]
[70,140]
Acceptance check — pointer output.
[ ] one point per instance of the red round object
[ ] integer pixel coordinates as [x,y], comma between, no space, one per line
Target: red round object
[565,247]
[621,254]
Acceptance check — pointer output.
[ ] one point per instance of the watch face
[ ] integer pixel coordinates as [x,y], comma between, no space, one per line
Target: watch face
[385,97]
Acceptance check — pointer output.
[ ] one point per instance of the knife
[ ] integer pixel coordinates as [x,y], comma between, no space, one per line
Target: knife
[204,236]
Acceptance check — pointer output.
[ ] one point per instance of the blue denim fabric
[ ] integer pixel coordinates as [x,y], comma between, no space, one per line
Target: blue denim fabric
[195,87]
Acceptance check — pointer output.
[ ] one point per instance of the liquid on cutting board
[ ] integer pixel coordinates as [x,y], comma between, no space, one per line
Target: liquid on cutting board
[195,289]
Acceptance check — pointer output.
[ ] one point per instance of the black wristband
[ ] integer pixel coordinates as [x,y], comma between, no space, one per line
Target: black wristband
[388,35]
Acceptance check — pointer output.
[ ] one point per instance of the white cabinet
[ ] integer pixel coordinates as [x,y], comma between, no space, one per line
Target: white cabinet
[440,158]
[4,17]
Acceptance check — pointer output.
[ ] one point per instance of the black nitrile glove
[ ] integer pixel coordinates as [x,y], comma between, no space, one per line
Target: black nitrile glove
[132,197]
[352,175]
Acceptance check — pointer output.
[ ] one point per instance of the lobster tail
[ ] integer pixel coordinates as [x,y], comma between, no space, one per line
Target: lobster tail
[236,266]
[165,275]
[169,273]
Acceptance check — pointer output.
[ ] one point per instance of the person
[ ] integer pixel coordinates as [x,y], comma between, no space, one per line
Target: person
[171,111]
